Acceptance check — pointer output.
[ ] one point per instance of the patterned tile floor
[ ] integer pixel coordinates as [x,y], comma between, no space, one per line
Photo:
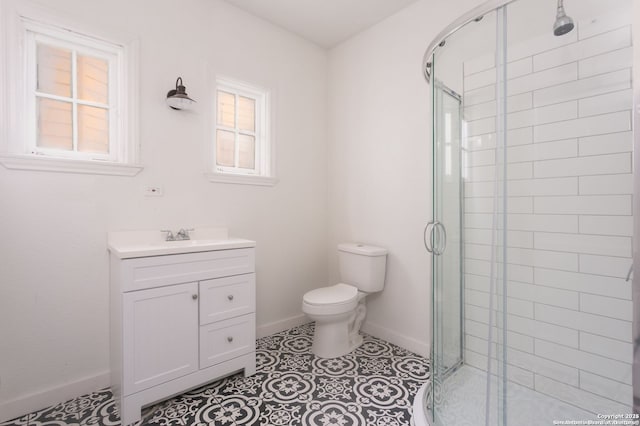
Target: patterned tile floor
[375,385]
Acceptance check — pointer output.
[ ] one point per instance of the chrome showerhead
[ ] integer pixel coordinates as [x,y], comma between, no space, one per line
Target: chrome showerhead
[563,23]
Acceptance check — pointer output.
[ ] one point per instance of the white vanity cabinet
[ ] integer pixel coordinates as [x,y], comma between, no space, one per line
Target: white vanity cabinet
[179,321]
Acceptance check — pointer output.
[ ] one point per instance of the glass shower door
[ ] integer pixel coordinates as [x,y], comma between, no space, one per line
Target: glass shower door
[447,214]
[445,238]
[455,144]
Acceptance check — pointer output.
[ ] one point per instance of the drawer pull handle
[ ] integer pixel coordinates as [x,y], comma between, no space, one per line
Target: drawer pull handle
[229,339]
[230,297]
[194,297]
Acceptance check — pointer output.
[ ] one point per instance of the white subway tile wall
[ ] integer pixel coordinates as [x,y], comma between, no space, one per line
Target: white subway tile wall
[569,188]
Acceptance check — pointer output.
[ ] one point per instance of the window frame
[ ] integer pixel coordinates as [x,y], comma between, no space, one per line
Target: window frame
[36,34]
[17,109]
[263,172]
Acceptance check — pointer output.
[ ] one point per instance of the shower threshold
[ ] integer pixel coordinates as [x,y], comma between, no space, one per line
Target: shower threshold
[463,403]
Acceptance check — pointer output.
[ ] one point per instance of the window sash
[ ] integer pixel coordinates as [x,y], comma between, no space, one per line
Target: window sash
[78,45]
[259,134]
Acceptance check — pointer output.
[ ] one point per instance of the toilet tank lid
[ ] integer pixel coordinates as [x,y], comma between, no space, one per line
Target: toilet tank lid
[362,249]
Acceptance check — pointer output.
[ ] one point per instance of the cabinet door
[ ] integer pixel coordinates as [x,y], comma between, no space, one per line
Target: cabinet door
[160,335]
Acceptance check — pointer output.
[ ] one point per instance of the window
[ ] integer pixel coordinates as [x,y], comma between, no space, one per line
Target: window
[242,151]
[72,99]
[74,114]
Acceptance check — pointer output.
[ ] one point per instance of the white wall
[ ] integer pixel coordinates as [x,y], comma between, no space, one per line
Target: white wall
[53,268]
[379,156]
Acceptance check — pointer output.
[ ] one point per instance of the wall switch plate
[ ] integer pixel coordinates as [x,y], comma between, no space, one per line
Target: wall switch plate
[153,191]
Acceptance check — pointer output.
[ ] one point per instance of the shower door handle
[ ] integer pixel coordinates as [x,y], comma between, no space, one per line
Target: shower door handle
[436,241]
[428,241]
[440,243]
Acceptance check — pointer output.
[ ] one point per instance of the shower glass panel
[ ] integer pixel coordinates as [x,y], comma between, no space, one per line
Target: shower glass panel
[451,150]
[532,175]
[448,212]
[569,186]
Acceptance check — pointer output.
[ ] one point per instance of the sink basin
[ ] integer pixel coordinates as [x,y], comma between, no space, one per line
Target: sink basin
[130,244]
[186,243]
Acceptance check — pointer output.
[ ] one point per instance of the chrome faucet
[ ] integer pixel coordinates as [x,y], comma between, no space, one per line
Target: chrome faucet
[183,234]
[170,236]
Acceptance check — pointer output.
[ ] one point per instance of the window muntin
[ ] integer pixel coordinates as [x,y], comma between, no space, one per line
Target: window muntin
[241,138]
[72,91]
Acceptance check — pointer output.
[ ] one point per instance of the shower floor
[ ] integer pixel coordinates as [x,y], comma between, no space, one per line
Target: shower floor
[464,403]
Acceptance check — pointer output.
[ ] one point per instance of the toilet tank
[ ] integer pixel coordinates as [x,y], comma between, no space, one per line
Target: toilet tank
[362,266]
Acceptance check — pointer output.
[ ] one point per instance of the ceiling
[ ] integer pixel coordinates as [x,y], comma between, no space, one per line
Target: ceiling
[324,22]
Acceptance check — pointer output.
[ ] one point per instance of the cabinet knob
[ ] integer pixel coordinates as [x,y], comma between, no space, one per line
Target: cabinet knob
[230,297]
[229,339]
[194,297]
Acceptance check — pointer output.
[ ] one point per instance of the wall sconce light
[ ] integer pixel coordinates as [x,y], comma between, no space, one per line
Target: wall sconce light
[177,98]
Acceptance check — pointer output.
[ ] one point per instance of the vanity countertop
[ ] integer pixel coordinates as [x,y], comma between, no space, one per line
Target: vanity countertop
[131,244]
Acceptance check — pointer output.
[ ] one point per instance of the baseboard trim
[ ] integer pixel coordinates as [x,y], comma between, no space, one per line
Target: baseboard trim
[39,400]
[391,336]
[281,325]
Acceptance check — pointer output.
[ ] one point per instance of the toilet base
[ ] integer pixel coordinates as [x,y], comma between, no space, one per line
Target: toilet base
[356,341]
[331,339]
[338,335]
[323,348]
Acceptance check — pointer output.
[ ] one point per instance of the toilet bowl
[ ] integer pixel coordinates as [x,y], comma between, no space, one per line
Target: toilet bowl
[332,309]
[339,310]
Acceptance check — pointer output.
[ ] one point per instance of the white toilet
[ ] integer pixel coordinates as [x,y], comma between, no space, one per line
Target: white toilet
[340,309]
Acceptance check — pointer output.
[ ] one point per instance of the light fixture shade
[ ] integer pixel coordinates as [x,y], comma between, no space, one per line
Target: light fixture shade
[177,98]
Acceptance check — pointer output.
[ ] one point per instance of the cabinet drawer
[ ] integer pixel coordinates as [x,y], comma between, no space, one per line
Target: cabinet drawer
[227,339]
[228,297]
[147,272]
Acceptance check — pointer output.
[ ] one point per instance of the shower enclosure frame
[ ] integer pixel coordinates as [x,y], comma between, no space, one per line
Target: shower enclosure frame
[475,15]
[635,116]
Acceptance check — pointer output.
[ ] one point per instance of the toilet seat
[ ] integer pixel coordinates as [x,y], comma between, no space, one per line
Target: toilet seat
[332,300]
[333,295]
